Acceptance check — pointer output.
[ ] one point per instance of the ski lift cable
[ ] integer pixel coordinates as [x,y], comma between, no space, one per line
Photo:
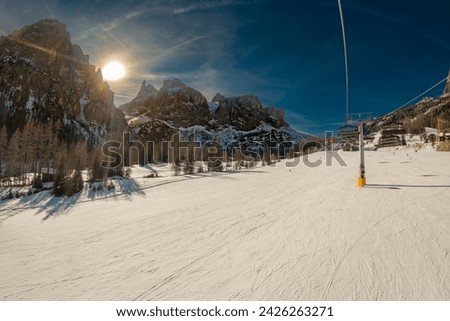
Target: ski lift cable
[418,96]
[344,40]
[341,14]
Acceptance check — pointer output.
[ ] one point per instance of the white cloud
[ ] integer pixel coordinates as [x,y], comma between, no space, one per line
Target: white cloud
[208,5]
[108,26]
[160,40]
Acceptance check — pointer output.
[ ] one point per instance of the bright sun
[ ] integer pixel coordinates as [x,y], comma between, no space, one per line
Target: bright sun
[113,70]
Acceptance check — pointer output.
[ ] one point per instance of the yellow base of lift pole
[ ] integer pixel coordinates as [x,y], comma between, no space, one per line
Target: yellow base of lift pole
[361,181]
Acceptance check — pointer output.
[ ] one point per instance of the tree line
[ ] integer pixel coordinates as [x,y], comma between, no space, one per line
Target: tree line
[36,154]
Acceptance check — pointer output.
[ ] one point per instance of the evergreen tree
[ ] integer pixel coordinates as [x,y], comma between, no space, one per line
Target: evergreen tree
[37,181]
[74,183]
[14,158]
[189,167]
[3,150]
[266,158]
[214,160]
[238,157]
[28,146]
[10,194]
[49,148]
[96,171]
[189,163]
[59,185]
[176,168]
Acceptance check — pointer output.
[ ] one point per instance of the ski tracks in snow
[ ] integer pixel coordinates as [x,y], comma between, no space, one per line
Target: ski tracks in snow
[348,251]
[270,234]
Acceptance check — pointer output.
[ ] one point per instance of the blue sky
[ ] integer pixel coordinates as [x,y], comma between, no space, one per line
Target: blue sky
[287,52]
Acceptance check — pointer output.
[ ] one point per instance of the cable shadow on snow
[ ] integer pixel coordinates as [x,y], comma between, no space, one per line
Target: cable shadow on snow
[400,186]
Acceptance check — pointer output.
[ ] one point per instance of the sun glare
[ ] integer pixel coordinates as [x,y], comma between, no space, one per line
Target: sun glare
[113,70]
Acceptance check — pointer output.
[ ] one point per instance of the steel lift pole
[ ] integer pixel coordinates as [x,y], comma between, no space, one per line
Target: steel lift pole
[362,168]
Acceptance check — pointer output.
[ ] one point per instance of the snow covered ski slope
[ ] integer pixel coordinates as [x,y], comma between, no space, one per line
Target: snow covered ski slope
[271,233]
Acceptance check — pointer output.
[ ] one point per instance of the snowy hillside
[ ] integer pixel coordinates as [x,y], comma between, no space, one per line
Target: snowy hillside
[271,233]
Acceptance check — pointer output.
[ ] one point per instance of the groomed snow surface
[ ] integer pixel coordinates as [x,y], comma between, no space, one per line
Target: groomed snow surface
[269,233]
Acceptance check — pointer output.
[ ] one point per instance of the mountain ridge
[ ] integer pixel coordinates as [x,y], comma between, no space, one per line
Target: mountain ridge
[46,78]
[156,115]
[225,111]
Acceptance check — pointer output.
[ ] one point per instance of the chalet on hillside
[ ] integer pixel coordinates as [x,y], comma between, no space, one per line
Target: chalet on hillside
[392,135]
[349,137]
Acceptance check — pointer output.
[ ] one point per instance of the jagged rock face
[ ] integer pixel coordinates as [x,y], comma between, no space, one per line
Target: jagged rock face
[44,77]
[219,98]
[274,117]
[146,91]
[175,103]
[447,86]
[237,121]
[246,113]
[182,106]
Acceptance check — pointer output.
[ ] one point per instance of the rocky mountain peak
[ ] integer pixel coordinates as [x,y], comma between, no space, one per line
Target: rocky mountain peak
[219,98]
[172,85]
[146,90]
[447,86]
[45,78]
[46,43]
[246,101]
[242,112]
[47,34]
[183,106]
[175,103]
